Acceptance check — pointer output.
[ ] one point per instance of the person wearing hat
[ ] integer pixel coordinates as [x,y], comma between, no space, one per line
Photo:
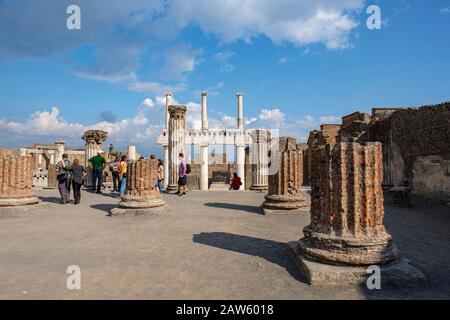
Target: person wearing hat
[64,177]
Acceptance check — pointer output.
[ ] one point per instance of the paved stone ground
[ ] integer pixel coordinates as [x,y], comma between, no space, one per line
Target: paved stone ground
[208,246]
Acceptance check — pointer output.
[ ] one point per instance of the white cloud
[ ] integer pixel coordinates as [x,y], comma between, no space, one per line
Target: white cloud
[285,60]
[223,59]
[445,10]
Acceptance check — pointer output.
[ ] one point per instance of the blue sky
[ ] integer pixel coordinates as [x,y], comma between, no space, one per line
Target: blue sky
[299,62]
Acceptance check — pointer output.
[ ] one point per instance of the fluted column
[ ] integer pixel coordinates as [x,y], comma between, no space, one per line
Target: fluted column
[91,149]
[16,180]
[177,126]
[260,161]
[347,207]
[59,150]
[285,184]
[142,196]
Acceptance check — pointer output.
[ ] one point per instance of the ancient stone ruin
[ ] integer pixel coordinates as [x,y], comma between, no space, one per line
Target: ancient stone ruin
[16,180]
[347,214]
[285,184]
[142,196]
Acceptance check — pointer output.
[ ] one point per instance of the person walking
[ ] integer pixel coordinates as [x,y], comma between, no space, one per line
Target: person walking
[114,168]
[236,182]
[123,175]
[182,175]
[160,175]
[78,173]
[98,164]
[64,177]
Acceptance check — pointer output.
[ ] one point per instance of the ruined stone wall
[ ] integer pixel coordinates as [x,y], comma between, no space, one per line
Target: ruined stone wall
[417,145]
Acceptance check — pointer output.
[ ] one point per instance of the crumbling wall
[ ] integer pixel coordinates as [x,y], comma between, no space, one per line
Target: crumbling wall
[416,147]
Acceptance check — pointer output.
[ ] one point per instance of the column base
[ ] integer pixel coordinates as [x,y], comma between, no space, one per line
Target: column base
[131,206]
[256,187]
[347,251]
[171,188]
[18,202]
[284,204]
[399,273]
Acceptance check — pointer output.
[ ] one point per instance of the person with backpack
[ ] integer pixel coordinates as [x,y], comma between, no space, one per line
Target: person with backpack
[183,170]
[123,168]
[64,177]
[114,168]
[236,183]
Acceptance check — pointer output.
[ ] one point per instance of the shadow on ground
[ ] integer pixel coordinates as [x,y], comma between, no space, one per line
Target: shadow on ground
[50,199]
[234,206]
[104,207]
[272,251]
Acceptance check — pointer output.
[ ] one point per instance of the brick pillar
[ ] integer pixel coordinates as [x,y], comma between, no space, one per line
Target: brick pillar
[16,180]
[347,207]
[142,196]
[285,184]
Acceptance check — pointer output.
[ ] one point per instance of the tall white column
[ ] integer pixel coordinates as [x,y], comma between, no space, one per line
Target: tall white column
[260,161]
[240,161]
[240,144]
[204,147]
[204,111]
[132,154]
[177,126]
[168,103]
[240,114]
[204,179]
[166,146]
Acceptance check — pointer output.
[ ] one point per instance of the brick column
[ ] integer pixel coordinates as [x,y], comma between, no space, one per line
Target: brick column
[346,234]
[285,184]
[142,196]
[16,180]
[347,207]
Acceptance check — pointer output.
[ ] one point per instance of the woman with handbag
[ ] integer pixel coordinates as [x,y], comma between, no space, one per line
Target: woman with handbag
[78,173]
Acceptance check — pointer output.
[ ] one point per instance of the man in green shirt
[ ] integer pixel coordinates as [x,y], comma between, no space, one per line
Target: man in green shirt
[98,164]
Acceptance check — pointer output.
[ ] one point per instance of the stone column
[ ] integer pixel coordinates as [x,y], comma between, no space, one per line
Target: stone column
[142,196]
[347,218]
[240,161]
[240,113]
[284,194]
[59,150]
[204,173]
[132,153]
[166,146]
[260,159]
[204,179]
[94,140]
[52,158]
[168,103]
[204,111]
[177,126]
[16,180]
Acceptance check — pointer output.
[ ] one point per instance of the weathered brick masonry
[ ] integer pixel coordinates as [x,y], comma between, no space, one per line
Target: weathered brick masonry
[16,179]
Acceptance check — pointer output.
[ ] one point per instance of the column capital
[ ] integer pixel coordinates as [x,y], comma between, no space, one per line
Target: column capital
[204,94]
[168,94]
[239,94]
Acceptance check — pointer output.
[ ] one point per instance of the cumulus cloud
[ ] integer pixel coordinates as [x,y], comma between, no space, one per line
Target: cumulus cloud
[118,35]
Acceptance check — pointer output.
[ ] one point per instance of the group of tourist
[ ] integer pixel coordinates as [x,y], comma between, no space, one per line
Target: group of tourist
[72,176]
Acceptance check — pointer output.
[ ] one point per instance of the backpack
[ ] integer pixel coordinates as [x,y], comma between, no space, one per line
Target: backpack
[188,168]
